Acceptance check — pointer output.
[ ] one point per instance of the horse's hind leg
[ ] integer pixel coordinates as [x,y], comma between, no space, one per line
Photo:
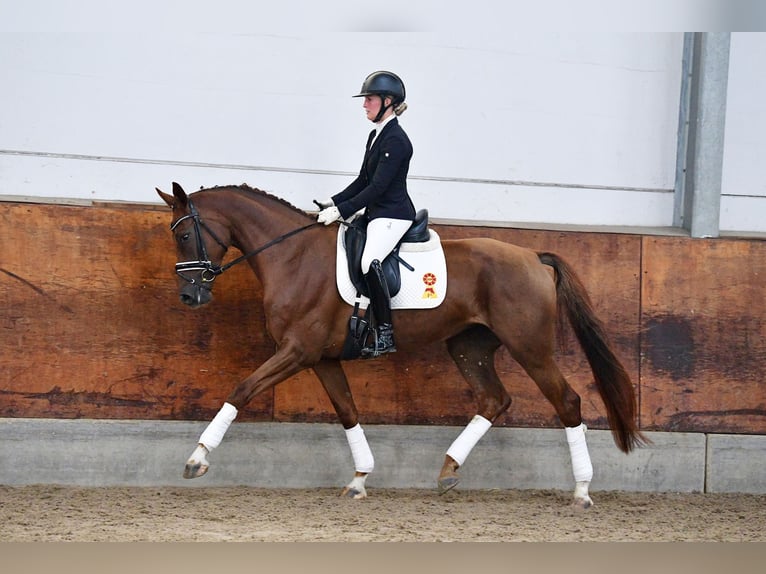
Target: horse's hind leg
[473,351]
[333,379]
[567,404]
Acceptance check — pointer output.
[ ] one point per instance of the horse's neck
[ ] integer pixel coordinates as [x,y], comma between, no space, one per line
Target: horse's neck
[257,221]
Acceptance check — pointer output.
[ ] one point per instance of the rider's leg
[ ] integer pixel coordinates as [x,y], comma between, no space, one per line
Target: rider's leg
[382,236]
[383,342]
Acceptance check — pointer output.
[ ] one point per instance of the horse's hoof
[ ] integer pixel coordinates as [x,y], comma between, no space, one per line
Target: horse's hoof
[582,503]
[447,483]
[195,470]
[353,493]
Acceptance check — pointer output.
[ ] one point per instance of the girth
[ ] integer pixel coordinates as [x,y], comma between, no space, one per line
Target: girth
[355,238]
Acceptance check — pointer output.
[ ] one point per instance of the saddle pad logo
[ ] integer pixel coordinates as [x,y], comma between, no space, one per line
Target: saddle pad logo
[430,280]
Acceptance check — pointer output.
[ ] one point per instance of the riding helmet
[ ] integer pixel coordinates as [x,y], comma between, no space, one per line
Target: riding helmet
[383,83]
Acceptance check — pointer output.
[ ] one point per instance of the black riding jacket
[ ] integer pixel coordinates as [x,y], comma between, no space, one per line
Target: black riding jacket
[381,186]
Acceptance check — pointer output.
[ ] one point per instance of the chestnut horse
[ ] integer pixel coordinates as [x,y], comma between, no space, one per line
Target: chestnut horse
[481,312]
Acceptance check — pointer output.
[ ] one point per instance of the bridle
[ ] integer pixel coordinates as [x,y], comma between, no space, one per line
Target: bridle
[207,269]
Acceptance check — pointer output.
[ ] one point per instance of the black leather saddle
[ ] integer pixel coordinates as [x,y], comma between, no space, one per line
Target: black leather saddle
[355,238]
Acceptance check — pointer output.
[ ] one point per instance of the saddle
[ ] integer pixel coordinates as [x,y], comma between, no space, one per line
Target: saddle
[355,238]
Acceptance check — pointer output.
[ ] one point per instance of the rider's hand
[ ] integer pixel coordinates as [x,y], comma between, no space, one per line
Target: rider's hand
[328,215]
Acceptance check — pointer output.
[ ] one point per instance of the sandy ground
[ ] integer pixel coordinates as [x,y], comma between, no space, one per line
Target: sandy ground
[53,513]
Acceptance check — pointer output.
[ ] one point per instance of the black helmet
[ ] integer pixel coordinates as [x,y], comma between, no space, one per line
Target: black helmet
[383,84]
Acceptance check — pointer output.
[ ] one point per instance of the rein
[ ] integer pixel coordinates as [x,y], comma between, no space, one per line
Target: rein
[266,246]
[209,271]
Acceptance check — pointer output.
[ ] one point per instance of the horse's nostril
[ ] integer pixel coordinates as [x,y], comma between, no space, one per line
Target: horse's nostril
[186,299]
[195,297]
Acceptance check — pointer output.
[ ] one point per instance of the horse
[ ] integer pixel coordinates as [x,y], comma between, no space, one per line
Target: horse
[294,259]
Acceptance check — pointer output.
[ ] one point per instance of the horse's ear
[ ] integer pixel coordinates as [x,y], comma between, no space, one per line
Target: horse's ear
[179,194]
[167,198]
[179,197]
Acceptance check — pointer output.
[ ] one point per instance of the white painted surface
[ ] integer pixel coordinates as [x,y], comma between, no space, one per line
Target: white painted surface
[743,186]
[542,127]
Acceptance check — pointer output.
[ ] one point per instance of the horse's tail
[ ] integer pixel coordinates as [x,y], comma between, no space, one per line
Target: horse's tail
[612,380]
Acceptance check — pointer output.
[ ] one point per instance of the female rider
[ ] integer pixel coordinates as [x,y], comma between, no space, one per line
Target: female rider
[381,190]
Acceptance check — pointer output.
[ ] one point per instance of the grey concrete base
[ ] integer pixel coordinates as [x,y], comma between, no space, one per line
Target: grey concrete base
[736,463]
[293,455]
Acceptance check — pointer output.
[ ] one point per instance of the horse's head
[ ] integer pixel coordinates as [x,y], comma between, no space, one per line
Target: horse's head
[200,246]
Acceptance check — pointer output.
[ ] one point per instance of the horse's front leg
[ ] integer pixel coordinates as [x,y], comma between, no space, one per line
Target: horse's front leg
[197,465]
[333,379]
[285,363]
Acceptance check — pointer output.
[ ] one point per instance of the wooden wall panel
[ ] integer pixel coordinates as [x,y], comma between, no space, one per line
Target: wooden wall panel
[704,342]
[90,326]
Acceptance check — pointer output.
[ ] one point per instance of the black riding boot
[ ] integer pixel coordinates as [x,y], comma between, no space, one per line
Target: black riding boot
[383,334]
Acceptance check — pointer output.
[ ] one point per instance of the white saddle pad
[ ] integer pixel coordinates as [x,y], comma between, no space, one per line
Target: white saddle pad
[424,288]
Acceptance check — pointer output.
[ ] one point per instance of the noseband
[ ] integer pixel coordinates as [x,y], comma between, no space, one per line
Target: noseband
[207,269]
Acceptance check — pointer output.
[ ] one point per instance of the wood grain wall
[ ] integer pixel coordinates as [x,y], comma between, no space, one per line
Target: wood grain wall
[91,327]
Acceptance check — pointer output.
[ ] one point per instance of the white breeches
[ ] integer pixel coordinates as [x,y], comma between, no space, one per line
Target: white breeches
[382,236]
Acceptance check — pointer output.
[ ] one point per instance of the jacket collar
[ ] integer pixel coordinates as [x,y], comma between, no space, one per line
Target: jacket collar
[381,126]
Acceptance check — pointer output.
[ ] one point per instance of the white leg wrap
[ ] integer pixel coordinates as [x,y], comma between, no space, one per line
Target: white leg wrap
[214,432]
[464,443]
[357,483]
[578,449]
[360,450]
[581,491]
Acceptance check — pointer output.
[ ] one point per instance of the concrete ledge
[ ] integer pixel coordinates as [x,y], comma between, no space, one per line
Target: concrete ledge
[736,463]
[296,455]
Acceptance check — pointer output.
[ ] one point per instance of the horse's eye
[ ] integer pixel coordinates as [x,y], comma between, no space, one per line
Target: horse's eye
[185,237]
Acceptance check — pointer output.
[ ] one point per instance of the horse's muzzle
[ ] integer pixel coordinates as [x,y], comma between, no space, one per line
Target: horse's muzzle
[195,296]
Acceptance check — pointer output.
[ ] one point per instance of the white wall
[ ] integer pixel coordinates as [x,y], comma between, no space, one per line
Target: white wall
[743,186]
[521,127]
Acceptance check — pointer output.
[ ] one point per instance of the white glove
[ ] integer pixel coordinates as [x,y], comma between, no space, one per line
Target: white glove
[325,204]
[328,215]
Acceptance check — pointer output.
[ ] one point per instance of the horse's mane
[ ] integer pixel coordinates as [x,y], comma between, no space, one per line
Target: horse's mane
[245,189]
